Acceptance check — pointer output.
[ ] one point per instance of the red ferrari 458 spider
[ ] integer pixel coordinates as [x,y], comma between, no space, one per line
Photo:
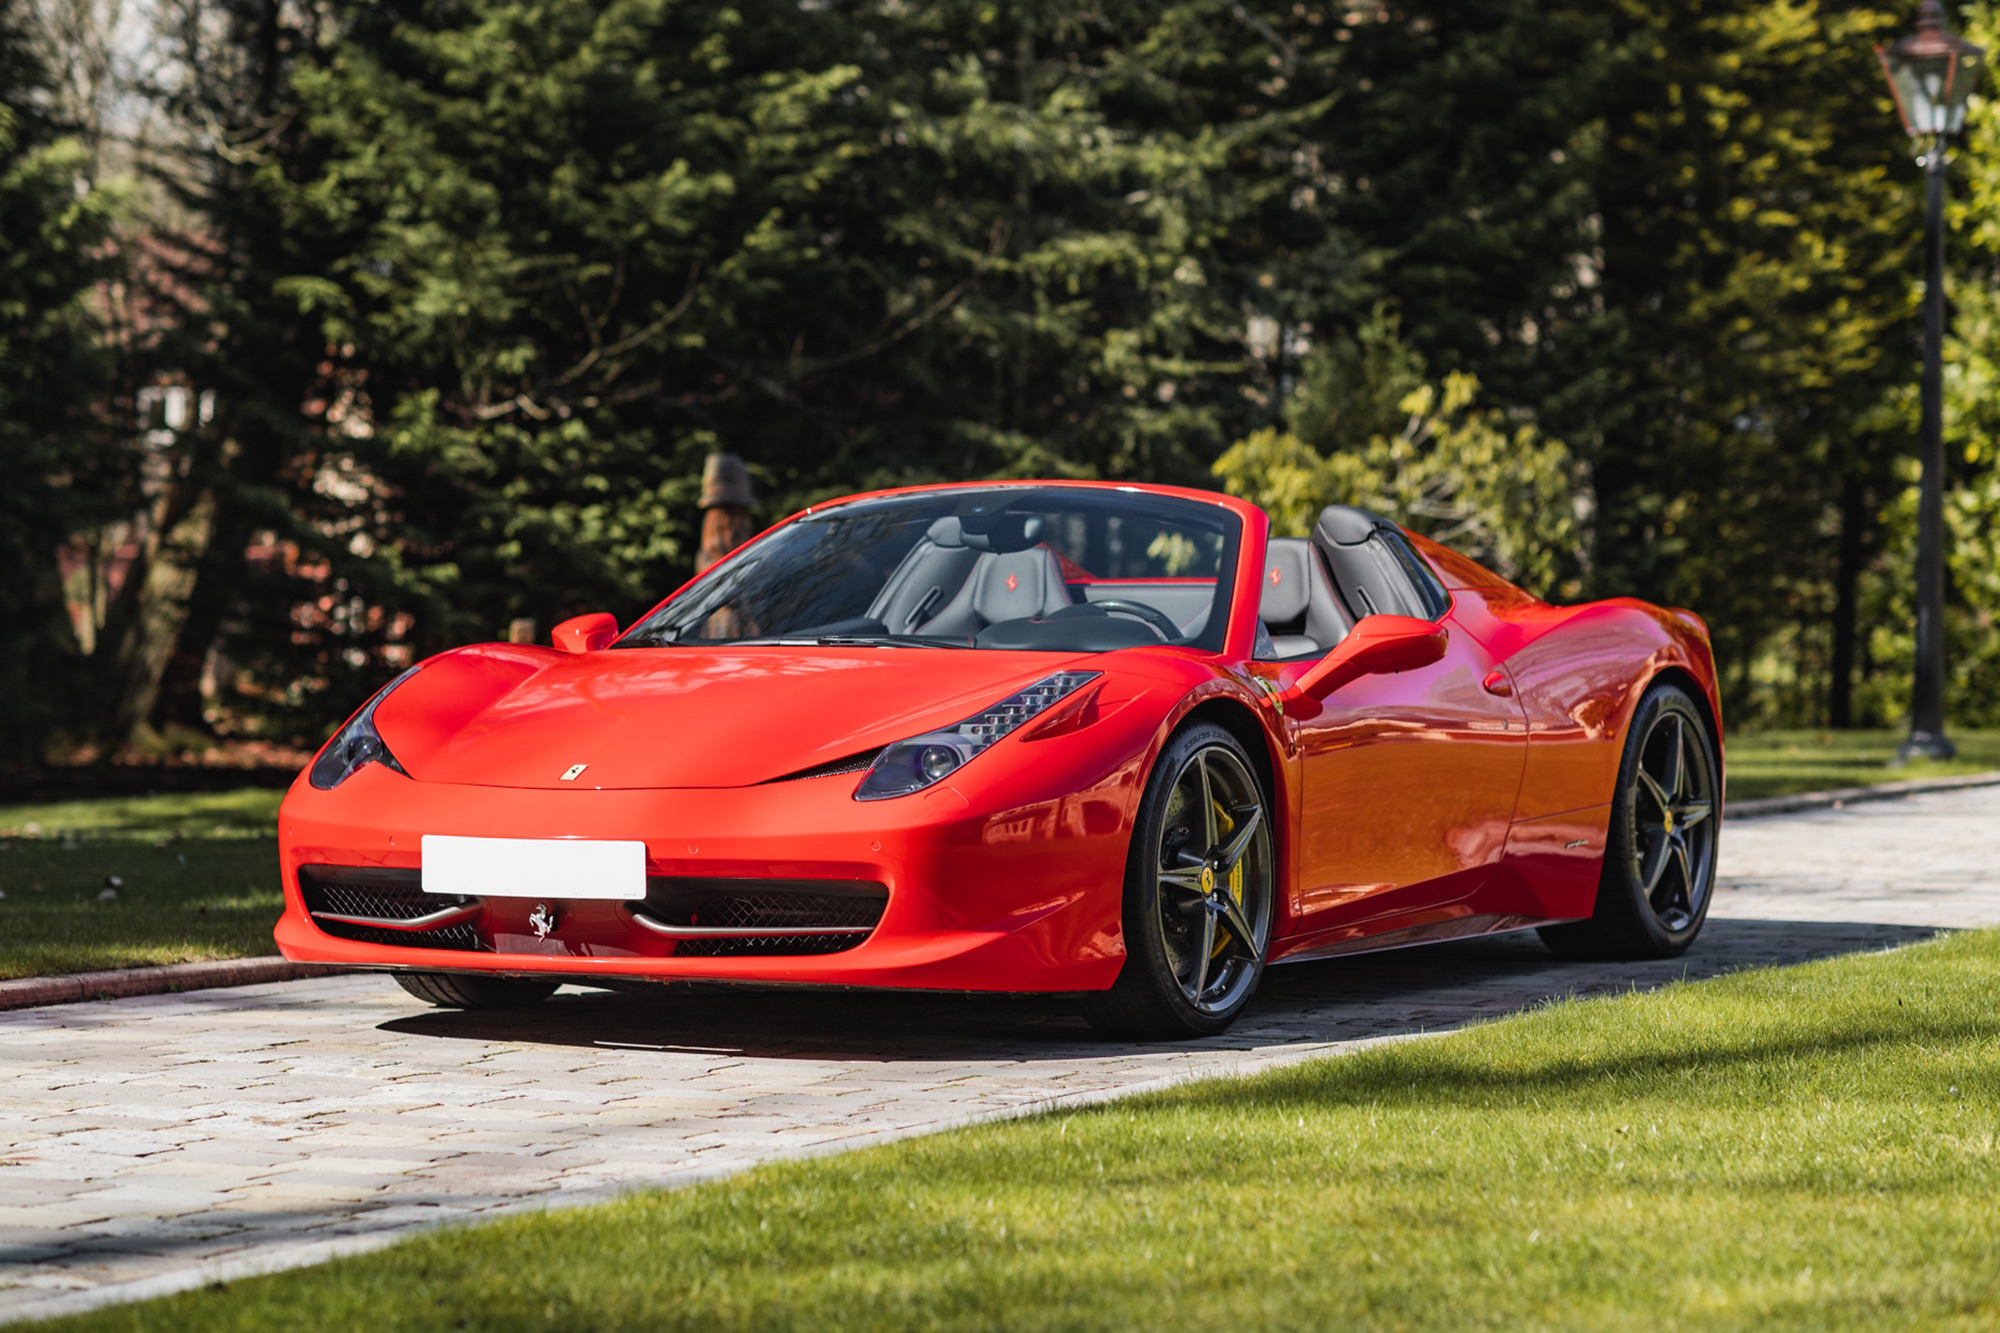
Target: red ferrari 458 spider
[1040,736]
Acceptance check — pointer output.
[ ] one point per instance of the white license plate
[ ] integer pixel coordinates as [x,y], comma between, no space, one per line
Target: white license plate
[534,867]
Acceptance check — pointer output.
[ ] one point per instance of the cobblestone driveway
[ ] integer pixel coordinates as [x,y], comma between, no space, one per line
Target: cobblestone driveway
[147,1145]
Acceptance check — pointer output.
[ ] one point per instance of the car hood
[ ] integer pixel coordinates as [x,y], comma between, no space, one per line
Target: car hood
[503,715]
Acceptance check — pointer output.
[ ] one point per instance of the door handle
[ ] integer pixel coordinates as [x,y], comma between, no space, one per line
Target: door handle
[1496,682]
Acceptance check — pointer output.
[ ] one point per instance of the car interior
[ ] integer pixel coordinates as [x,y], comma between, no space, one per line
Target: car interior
[997,584]
[1299,608]
[1356,564]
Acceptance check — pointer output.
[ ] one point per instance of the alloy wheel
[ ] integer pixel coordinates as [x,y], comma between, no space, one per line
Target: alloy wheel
[1214,877]
[1672,807]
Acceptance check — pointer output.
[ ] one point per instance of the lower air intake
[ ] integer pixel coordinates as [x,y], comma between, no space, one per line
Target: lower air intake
[814,916]
[375,891]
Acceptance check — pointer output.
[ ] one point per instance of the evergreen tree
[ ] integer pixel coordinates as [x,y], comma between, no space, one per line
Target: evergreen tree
[556,255]
[54,377]
[1972,446]
[1676,238]
[1758,244]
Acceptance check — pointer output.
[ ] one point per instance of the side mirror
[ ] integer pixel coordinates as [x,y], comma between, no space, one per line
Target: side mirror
[1375,645]
[586,633]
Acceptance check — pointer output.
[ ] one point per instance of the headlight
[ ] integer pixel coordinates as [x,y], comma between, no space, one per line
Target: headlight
[357,743]
[916,763]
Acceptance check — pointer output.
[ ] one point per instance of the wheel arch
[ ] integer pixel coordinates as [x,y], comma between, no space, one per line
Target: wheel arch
[1681,676]
[1239,721]
[1267,764]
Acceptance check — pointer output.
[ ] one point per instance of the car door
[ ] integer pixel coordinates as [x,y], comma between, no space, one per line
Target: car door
[1410,779]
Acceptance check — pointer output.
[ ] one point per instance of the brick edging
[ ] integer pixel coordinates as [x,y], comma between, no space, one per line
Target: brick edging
[1884,791]
[30,992]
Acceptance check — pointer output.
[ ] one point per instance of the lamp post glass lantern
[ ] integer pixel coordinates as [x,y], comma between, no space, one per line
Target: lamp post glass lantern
[1931,74]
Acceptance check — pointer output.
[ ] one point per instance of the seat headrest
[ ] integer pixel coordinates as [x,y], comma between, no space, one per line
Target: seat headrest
[1287,580]
[1344,525]
[1017,585]
[1000,532]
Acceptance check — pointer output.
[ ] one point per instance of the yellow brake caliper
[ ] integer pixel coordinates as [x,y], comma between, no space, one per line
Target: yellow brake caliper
[1228,826]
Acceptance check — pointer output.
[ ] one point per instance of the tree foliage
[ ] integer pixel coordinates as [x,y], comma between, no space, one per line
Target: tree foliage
[1679,239]
[1619,296]
[1465,475]
[54,379]
[562,253]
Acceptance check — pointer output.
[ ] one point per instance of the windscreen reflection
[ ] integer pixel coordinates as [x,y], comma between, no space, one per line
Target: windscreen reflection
[1023,568]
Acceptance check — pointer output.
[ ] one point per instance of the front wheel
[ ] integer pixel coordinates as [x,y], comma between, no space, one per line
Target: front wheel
[465,990]
[1198,894]
[1659,855]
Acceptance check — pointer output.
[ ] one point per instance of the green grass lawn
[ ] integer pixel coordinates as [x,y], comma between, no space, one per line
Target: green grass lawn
[197,878]
[1778,763]
[1809,1148]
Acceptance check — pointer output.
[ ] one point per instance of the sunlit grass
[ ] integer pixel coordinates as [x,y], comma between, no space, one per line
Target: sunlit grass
[251,812]
[1779,763]
[190,876]
[1811,1148]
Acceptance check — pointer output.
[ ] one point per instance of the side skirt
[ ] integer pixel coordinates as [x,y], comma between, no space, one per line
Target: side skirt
[1430,932]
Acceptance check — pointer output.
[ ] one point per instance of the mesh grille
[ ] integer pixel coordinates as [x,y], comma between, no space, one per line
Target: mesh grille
[463,937]
[767,946]
[394,894]
[854,763]
[788,909]
[808,911]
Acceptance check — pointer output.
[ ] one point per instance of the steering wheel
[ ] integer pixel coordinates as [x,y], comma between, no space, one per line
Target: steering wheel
[1159,620]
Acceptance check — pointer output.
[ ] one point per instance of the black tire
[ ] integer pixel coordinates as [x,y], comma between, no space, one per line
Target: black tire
[465,990]
[1200,894]
[1660,851]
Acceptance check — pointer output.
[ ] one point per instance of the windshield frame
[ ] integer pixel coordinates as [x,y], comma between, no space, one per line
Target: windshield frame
[1241,524]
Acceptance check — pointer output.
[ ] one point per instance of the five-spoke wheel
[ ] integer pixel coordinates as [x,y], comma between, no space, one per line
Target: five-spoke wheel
[1659,858]
[1673,834]
[1198,894]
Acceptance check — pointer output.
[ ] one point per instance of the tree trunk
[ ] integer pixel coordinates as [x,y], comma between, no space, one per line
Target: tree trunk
[725,500]
[179,700]
[143,624]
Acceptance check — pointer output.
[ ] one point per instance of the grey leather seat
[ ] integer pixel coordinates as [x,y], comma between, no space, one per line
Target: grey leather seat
[1374,568]
[1298,607]
[934,571]
[1009,586]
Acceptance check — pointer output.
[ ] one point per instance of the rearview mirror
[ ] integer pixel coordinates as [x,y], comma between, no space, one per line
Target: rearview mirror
[1375,645]
[586,633]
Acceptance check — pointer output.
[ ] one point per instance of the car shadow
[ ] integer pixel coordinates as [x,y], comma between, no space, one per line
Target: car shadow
[1437,987]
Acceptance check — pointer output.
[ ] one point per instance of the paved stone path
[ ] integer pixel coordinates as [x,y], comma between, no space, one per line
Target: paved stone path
[151,1144]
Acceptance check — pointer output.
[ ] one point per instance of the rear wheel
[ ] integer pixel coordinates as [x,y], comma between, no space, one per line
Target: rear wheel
[1198,894]
[461,990]
[1659,855]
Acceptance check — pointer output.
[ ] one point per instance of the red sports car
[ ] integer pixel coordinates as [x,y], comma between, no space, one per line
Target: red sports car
[1039,736]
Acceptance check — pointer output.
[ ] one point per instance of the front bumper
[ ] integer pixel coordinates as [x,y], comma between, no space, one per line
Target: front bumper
[1019,893]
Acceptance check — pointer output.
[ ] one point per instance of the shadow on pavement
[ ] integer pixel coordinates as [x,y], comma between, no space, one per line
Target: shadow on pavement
[1342,999]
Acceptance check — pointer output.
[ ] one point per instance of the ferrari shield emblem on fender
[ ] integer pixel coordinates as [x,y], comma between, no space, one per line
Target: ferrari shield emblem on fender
[573,772]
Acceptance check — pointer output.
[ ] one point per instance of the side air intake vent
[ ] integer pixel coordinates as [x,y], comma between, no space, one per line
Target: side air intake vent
[854,763]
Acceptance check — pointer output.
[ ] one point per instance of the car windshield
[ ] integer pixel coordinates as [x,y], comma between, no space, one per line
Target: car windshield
[1073,569]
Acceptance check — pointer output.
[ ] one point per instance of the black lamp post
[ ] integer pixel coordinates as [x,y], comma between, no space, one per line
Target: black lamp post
[1931,73]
